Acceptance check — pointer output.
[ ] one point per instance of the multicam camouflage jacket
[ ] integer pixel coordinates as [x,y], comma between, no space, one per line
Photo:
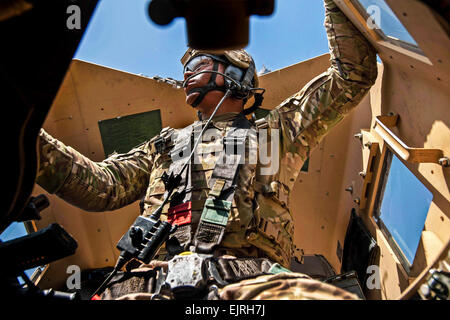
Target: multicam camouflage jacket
[260,223]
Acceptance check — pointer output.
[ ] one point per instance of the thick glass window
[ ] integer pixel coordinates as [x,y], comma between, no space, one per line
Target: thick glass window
[387,20]
[402,208]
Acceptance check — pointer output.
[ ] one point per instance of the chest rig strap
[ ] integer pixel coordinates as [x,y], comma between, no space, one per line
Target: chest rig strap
[216,211]
[179,154]
[180,211]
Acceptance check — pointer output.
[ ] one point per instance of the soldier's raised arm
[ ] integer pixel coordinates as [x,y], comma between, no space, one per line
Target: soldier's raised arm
[93,186]
[306,117]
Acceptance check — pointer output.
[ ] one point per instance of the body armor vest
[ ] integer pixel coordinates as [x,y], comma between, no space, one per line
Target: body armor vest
[223,202]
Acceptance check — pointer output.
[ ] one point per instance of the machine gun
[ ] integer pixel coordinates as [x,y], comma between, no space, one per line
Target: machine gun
[35,249]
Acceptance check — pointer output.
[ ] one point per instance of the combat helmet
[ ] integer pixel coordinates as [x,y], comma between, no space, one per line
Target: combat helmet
[240,74]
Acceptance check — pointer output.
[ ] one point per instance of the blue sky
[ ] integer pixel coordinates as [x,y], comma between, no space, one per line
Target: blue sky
[121,36]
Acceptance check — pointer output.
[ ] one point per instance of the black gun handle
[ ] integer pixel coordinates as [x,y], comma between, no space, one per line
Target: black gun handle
[36,249]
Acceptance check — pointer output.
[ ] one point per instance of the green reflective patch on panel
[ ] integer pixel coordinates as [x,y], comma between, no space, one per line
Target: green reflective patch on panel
[122,134]
[216,211]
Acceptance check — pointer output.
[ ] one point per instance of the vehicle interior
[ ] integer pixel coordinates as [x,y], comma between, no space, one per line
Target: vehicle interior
[371,206]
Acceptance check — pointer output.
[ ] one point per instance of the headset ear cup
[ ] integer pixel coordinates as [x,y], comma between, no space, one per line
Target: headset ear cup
[233,72]
[227,81]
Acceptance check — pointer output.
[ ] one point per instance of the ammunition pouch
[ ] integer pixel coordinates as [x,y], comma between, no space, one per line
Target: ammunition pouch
[124,283]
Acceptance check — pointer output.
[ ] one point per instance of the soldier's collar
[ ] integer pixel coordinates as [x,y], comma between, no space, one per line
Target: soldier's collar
[229,116]
[222,120]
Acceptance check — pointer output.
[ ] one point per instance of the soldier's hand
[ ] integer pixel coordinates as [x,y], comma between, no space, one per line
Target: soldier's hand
[152,265]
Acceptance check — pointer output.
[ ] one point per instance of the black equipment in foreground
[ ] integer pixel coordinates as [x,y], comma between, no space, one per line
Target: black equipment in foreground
[38,46]
[212,24]
[35,249]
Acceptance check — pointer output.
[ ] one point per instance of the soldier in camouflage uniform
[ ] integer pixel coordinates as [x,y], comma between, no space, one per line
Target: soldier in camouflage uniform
[260,223]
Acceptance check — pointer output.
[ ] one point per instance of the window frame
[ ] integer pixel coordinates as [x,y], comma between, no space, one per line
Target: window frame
[386,160]
[388,41]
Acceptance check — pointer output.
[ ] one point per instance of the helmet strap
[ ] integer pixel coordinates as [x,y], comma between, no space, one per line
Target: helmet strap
[210,86]
[258,102]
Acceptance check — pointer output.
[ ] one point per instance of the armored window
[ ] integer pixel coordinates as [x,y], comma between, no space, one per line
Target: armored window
[401,208]
[383,21]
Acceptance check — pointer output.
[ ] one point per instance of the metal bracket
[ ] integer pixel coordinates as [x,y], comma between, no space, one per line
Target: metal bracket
[413,155]
[371,147]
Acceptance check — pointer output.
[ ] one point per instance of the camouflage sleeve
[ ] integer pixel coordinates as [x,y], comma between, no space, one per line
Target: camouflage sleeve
[306,117]
[92,186]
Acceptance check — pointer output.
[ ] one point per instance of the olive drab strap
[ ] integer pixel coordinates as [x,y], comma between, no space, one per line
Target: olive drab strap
[180,210]
[179,155]
[159,144]
[214,218]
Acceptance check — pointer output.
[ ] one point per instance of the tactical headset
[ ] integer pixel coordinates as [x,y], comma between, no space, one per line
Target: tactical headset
[237,80]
